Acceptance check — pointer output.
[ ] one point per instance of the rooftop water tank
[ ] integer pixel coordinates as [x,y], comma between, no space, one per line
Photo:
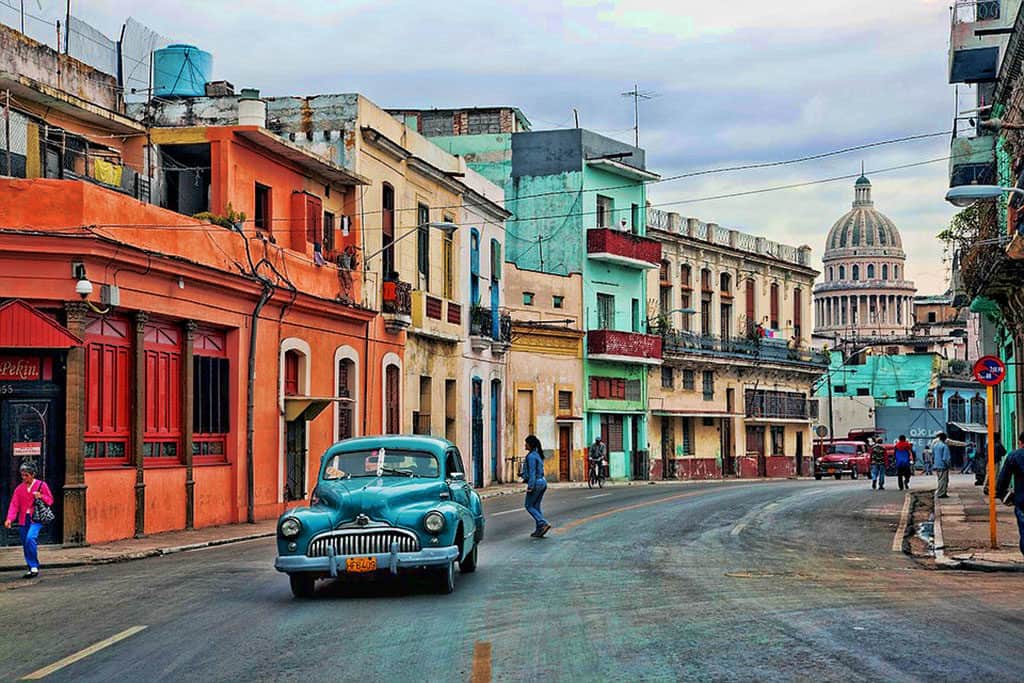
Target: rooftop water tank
[181,71]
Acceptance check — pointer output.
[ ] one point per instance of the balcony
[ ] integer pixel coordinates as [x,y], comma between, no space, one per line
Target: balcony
[396,305]
[489,331]
[436,317]
[979,31]
[677,344]
[623,248]
[972,155]
[624,347]
[763,404]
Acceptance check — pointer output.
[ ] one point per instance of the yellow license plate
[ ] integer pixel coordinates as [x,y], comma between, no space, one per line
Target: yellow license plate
[359,565]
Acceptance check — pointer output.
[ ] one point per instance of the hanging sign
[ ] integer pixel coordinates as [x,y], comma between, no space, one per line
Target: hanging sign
[24,449]
[989,370]
[19,369]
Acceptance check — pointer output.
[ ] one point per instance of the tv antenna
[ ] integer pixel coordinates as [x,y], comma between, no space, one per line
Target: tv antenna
[637,94]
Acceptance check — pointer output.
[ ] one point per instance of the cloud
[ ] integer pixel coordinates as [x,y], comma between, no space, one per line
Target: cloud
[742,82]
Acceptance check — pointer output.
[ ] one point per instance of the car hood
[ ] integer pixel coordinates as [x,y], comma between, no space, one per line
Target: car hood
[836,457]
[379,498]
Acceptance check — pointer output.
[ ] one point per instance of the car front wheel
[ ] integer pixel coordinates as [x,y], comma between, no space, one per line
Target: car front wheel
[853,474]
[817,476]
[838,476]
[303,585]
[467,565]
[445,578]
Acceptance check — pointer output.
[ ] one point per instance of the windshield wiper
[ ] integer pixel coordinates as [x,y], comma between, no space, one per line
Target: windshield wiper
[392,470]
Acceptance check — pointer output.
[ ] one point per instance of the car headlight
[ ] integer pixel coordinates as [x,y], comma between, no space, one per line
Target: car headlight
[433,522]
[291,527]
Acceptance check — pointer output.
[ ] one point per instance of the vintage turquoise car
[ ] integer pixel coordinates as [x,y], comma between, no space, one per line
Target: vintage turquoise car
[383,504]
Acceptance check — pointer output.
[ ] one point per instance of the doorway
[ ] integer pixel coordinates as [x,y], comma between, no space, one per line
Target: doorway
[495,427]
[295,460]
[799,454]
[755,446]
[478,432]
[564,452]
[29,434]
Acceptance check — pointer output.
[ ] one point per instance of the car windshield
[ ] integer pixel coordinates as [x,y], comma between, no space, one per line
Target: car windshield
[381,462]
[843,449]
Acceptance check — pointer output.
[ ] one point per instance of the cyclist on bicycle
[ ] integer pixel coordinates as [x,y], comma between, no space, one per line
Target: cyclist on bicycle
[596,455]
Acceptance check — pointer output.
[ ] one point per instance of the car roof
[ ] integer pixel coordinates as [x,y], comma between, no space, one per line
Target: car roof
[432,444]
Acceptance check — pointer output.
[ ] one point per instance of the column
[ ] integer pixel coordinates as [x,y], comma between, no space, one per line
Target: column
[187,427]
[74,430]
[139,420]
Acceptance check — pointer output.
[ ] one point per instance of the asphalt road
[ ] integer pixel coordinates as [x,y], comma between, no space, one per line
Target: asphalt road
[791,580]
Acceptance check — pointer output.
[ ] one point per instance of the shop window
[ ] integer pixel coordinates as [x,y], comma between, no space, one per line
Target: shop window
[162,425]
[107,394]
[778,440]
[211,410]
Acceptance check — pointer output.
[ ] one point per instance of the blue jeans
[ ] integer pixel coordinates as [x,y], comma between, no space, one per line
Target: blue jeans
[878,474]
[1020,525]
[533,499]
[30,543]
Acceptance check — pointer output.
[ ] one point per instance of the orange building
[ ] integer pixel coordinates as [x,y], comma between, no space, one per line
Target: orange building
[167,372]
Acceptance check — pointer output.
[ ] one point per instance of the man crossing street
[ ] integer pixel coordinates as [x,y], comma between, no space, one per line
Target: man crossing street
[943,460]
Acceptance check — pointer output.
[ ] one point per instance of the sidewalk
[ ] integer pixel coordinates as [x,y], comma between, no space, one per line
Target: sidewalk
[962,530]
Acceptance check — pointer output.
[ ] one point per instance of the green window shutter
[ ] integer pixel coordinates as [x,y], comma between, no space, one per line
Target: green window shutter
[495,260]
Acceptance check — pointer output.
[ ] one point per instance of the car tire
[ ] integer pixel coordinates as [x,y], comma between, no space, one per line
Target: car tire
[854,474]
[303,585]
[838,475]
[467,565]
[445,578]
[818,476]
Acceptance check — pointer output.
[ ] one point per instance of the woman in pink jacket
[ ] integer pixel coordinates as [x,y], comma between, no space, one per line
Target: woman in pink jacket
[20,511]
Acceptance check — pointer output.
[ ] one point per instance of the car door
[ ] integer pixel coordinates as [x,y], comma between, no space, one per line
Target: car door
[459,487]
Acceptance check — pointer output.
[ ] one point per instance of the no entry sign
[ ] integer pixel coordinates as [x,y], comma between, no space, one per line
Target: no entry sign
[989,370]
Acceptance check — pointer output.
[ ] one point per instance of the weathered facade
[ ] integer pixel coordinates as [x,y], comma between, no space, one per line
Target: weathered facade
[732,395]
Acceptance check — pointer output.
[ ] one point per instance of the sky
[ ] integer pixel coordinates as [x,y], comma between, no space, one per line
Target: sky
[733,83]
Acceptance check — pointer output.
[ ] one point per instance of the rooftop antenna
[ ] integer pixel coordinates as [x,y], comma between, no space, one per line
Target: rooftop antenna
[637,95]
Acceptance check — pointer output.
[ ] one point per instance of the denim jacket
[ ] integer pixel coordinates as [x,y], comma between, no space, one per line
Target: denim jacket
[533,472]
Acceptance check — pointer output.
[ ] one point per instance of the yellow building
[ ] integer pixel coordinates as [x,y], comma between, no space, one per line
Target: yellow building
[734,313]
[545,371]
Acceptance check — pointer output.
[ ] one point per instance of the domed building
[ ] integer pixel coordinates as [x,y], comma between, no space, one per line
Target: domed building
[865,292]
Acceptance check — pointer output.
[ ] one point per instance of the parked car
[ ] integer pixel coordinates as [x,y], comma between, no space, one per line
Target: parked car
[383,505]
[838,458]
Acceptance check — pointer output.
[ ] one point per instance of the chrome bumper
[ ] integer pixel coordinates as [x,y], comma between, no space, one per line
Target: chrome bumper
[333,565]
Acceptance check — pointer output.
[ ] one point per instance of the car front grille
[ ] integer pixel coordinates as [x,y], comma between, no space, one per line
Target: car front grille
[359,542]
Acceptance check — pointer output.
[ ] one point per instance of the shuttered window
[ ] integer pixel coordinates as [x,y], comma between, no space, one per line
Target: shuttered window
[392,416]
[162,353]
[611,432]
[107,393]
[211,412]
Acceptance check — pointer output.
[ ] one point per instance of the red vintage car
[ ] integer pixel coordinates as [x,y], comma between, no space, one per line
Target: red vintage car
[837,458]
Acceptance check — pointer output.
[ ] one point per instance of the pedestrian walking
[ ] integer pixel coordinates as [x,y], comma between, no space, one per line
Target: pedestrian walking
[29,516]
[943,460]
[1014,468]
[969,454]
[877,464]
[904,454]
[536,484]
[926,456]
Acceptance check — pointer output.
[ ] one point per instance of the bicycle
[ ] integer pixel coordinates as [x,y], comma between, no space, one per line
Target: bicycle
[596,474]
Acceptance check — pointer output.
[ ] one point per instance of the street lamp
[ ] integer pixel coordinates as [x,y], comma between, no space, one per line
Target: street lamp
[966,195]
[447,228]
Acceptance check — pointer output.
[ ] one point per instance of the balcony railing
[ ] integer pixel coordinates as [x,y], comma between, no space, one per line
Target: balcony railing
[485,327]
[624,346]
[396,304]
[777,405]
[676,342]
[605,244]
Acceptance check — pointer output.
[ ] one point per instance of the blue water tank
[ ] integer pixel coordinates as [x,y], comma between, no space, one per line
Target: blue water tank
[181,71]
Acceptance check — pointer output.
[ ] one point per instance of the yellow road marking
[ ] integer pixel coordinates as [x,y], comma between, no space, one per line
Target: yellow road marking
[601,515]
[481,662]
[82,654]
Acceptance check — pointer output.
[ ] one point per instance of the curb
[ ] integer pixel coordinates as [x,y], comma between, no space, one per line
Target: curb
[943,562]
[141,555]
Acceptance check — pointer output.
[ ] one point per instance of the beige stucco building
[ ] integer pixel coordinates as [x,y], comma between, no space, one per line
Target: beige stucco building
[545,371]
[731,397]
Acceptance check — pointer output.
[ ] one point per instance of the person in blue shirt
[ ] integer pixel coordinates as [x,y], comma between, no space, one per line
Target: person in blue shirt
[943,461]
[536,484]
[1013,467]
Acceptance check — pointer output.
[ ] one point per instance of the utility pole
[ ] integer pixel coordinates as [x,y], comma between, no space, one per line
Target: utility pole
[7,129]
[540,248]
[637,95]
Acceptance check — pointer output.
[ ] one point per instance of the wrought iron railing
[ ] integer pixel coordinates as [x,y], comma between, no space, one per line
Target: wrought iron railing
[681,342]
[397,299]
[482,324]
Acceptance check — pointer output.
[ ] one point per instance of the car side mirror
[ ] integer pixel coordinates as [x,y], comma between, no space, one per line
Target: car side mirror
[457,476]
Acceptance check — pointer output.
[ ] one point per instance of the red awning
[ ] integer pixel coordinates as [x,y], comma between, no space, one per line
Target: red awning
[23,327]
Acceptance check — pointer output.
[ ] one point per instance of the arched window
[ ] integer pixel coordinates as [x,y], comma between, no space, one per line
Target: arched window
[295,378]
[957,409]
[347,386]
[895,272]
[842,272]
[978,410]
[474,267]
[831,274]
[774,320]
[885,271]
[871,271]
[725,282]
[392,395]
[856,273]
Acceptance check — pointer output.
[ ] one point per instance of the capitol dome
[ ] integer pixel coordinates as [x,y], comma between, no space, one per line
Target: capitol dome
[865,292]
[863,226]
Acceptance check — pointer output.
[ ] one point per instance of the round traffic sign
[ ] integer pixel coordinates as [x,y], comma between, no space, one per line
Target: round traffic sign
[821,431]
[989,370]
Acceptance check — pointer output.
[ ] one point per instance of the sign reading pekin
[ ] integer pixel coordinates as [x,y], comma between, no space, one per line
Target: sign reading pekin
[19,369]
